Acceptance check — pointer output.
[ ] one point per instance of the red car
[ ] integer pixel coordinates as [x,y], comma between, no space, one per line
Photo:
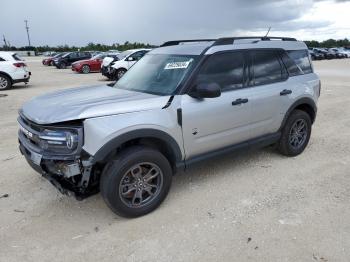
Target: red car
[91,65]
[49,60]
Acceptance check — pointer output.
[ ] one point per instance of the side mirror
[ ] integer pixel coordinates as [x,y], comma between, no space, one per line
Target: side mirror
[130,58]
[210,90]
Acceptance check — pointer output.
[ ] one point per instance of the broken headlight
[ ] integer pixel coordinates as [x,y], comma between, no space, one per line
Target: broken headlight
[59,141]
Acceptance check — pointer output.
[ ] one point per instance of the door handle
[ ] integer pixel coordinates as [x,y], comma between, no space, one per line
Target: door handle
[240,101]
[286,92]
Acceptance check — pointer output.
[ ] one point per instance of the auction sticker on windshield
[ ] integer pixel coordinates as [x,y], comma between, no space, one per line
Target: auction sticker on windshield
[177,65]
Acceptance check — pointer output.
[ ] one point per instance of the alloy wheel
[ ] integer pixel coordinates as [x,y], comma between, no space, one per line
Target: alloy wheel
[298,134]
[140,185]
[3,82]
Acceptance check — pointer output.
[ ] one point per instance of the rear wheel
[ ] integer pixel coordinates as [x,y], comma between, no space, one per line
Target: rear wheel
[295,134]
[85,69]
[5,82]
[136,181]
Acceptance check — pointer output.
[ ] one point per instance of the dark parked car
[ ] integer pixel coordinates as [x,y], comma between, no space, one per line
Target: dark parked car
[327,54]
[316,55]
[337,53]
[49,60]
[69,58]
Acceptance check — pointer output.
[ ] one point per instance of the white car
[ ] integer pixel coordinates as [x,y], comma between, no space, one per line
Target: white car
[12,70]
[126,60]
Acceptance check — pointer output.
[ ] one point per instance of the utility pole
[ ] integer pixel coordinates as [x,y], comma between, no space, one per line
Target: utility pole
[27,28]
[4,42]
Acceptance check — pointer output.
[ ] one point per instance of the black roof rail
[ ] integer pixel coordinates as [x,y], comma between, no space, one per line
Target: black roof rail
[230,40]
[177,42]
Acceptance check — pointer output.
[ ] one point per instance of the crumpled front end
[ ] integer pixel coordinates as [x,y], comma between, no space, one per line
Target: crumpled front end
[55,152]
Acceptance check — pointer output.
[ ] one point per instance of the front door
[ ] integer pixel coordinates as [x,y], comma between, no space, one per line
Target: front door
[214,123]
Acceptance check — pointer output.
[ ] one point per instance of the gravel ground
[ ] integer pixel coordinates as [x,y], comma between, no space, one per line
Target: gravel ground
[253,206]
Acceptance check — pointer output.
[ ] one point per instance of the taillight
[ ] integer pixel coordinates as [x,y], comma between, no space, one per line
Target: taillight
[19,64]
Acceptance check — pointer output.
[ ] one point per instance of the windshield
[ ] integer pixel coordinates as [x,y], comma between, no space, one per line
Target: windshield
[157,74]
[99,56]
[124,54]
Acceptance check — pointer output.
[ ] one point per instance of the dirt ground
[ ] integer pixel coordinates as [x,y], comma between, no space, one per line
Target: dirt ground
[253,206]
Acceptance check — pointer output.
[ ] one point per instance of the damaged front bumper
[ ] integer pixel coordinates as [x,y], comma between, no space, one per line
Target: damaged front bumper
[70,177]
[71,173]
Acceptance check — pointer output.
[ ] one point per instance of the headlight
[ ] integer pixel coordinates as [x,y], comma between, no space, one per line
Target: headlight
[59,141]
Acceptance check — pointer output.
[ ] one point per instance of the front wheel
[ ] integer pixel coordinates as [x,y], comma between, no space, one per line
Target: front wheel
[120,73]
[63,65]
[85,69]
[136,182]
[295,134]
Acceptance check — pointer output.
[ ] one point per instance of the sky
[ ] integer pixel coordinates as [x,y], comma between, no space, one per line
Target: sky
[78,22]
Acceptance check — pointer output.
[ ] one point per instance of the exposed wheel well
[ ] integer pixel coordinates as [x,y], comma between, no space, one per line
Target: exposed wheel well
[151,142]
[5,74]
[308,109]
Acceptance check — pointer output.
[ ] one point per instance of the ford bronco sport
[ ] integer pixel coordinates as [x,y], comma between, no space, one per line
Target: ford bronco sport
[181,103]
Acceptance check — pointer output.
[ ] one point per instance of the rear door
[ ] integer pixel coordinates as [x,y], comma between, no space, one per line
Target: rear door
[269,91]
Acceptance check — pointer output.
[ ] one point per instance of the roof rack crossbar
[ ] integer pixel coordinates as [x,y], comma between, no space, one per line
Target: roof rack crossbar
[230,40]
[177,42]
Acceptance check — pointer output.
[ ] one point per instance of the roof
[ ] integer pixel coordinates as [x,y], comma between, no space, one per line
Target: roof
[7,55]
[197,46]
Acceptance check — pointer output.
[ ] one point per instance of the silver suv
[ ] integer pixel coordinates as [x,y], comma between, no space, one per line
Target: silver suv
[181,103]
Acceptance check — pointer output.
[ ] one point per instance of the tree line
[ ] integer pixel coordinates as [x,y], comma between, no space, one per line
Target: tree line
[129,45]
[89,47]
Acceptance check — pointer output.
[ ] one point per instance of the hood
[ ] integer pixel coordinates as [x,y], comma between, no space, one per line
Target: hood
[87,102]
[107,60]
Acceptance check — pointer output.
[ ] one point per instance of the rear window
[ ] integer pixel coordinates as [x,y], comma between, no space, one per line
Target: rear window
[301,59]
[292,68]
[16,57]
[266,68]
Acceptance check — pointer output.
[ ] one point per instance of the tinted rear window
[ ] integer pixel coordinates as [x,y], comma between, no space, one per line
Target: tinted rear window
[266,68]
[16,57]
[301,58]
[292,68]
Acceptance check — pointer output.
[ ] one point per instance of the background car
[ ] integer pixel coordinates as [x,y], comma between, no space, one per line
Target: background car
[12,70]
[126,60]
[327,54]
[106,62]
[49,61]
[69,58]
[316,55]
[89,65]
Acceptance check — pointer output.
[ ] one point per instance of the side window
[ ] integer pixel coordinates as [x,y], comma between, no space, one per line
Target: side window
[138,55]
[301,58]
[1,59]
[266,68]
[225,69]
[292,68]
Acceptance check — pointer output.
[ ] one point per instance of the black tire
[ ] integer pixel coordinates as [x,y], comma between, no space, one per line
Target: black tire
[293,142]
[5,82]
[62,65]
[119,74]
[116,177]
[85,69]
